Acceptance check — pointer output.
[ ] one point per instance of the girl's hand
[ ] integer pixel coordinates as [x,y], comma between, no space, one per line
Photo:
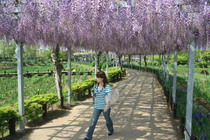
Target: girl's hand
[105,109]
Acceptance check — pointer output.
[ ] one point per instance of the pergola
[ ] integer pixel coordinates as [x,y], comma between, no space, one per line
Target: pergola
[126,27]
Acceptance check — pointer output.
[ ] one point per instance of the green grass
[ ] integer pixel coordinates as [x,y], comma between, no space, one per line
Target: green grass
[47,67]
[36,84]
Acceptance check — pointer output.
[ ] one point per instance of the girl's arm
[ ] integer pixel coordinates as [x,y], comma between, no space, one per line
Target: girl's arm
[108,100]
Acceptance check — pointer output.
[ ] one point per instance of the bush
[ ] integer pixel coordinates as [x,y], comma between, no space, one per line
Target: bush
[182,60]
[203,64]
[32,110]
[206,56]
[158,59]
[114,74]
[104,65]
[33,106]
[93,64]
[7,113]
[100,64]
[49,98]
[80,88]
[150,63]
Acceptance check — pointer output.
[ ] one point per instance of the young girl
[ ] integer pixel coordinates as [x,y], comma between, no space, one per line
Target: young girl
[102,91]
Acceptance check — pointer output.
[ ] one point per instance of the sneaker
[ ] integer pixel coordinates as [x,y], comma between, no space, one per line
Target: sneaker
[86,139]
[109,134]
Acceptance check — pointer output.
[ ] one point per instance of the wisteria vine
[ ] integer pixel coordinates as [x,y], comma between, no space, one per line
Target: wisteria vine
[125,27]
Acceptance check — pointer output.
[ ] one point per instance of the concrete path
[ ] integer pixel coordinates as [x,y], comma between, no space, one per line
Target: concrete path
[140,113]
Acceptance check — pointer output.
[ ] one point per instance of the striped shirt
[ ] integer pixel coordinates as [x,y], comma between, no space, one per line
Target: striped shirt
[100,96]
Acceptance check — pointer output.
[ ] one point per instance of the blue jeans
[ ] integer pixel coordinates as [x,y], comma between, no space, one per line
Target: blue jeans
[94,121]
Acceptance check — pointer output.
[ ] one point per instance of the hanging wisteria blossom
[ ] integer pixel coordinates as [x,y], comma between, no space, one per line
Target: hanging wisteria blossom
[126,27]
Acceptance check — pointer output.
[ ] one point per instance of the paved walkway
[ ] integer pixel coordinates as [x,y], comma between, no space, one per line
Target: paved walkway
[141,113]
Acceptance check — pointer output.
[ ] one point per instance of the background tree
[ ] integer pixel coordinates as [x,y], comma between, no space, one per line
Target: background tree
[7,51]
[29,54]
[58,73]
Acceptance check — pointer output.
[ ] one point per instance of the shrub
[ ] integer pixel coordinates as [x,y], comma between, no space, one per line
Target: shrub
[80,88]
[93,64]
[203,64]
[154,63]
[104,65]
[206,56]
[32,110]
[182,60]
[114,74]
[49,98]
[33,106]
[100,64]
[7,113]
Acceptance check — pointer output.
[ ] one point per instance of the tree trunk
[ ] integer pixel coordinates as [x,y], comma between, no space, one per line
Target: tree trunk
[139,62]
[58,73]
[120,62]
[98,61]
[145,61]
[129,59]
[160,62]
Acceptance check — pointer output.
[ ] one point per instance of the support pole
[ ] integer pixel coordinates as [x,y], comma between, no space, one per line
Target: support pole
[163,66]
[139,62]
[69,75]
[20,85]
[153,59]
[167,68]
[107,62]
[96,62]
[190,84]
[116,60]
[131,62]
[174,83]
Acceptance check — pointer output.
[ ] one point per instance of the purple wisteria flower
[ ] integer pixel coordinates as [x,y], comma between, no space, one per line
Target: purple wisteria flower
[140,27]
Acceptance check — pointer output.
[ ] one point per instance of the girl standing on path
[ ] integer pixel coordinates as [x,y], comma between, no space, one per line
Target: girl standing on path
[102,91]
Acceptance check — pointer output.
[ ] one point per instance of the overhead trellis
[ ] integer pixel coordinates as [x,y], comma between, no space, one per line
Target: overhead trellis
[126,27]
[148,27]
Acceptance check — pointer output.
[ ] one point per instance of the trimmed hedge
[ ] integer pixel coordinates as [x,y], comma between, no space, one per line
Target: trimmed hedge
[79,89]
[115,74]
[50,98]
[33,106]
[7,113]
[33,109]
